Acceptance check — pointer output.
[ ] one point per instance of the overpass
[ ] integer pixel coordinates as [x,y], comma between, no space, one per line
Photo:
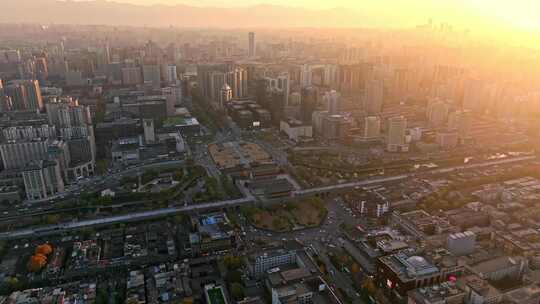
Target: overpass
[352,185]
[63,227]
[138,216]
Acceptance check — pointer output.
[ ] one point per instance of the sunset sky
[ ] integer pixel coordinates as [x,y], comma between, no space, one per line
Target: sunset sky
[516,13]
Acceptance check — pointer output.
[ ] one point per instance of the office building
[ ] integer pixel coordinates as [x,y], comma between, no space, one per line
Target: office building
[396,134]
[42,180]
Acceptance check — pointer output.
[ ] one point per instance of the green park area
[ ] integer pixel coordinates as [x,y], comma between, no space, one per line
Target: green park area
[216,296]
[288,216]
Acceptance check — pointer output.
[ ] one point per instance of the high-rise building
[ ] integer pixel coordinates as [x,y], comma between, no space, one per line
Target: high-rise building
[171,73]
[353,78]
[131,75]
[332,99]
[24,95]
[447,140]
[218,79]
[373,97]
[460,121]
[437,113]
[207,80]
[237,81]
[74,125]
[74,78]
[285,86]
[15,133]
[305,76]
[330,75]
[396,133]
[308,103]
[372,127]
[173,98]
[335,127]
[152,75]
[149,132]
[18,154]
[251,46]
[225,96]
[16,95]
[42,180]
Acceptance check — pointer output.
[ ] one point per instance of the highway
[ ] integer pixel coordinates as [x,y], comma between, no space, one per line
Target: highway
[235,202]
[313,191]
[52,229]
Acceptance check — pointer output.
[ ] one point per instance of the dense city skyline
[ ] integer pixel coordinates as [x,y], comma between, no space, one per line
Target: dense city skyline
[269,152]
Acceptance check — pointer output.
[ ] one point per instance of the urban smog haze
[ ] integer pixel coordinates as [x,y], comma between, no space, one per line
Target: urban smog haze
[269,151]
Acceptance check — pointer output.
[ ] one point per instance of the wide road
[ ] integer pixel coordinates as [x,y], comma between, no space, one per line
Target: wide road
[230,203]
[52,229]
[351,185]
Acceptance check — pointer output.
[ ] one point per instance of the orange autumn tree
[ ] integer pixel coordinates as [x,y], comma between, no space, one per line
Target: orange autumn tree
[44,249]
[37,262]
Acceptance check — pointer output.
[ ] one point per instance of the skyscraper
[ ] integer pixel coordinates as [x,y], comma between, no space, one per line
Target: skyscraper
[251,47]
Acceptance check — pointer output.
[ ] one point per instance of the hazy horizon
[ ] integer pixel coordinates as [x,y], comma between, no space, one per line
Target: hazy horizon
[507,22]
